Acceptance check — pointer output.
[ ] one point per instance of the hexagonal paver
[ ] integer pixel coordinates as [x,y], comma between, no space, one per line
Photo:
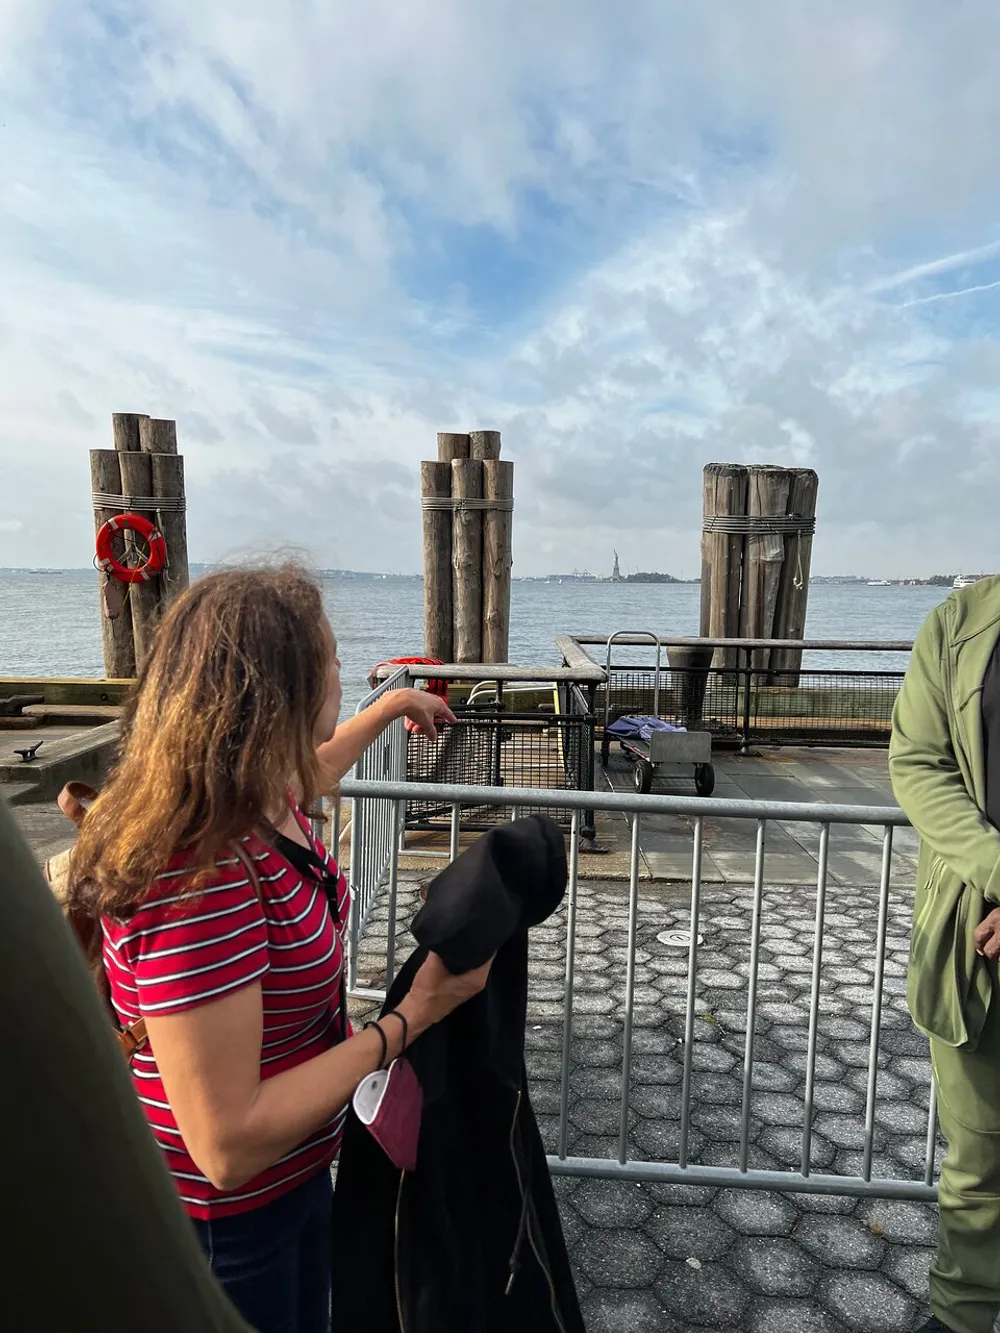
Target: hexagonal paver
[543,1064]
[838,1097]
[910,1267]
[779,1108]
[868,1302]
[899,1222]
[656,1069]
[626,1312]
[682,1196]
[775,1267]
[613,1203]
[657,1103]
[843,1242]
[722,1124]
[712,1058]
[774,1077]
[596,1117]
[756,1214]
[708,1296]
[660,1140]
[792,1317]
[845,1131]
[618,1259]
[789,1037]
[596,1055]
[603,1083]
[546,1097]
[715,1089]
[901,1118]
[690,1233]
[786,1146]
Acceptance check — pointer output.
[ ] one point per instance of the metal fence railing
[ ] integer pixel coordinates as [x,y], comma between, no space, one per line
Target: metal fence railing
[738,694]
[375,826]
[684,1164]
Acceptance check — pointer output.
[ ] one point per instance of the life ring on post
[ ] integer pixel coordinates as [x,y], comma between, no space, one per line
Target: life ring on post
[438,687]
[154,562]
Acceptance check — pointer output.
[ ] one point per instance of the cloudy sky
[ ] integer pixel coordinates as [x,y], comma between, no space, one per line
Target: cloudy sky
[634,236]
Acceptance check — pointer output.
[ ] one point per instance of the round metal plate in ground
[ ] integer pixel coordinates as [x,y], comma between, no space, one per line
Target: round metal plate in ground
[677,939]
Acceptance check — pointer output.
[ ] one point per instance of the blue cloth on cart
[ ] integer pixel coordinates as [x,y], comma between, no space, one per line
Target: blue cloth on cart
[637,728]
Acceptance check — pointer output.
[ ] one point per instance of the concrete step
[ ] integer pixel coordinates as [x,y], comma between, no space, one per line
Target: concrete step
[16,793]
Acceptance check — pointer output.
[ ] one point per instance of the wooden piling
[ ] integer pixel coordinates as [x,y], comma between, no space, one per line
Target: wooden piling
[125,431]
[452,446]
[137,481]
[767,497]
[157,436]
[116,634]
[498,486]
[435,484]
[484,445]
[793,593]
[168,484]
[467,560]
[725,497]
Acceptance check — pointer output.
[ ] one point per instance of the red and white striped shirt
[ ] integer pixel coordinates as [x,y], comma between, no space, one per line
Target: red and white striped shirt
[182,949]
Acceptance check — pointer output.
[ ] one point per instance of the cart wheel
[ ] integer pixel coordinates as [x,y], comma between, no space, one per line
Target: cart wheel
[642,776]
[704,779]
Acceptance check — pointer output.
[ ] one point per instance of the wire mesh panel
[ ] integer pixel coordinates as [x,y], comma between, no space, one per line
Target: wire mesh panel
[494,748]
[825,707]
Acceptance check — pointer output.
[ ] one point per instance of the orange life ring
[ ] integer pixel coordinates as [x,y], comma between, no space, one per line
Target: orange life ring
[438,687]
[142,527]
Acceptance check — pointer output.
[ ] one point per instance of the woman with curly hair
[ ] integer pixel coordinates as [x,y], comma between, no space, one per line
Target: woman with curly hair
[224,927]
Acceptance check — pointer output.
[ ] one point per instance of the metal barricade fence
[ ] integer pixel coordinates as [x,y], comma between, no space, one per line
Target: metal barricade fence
[375,827]
[805,1179]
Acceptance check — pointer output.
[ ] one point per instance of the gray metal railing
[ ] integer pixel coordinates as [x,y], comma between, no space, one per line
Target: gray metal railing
[760,813]
[376,829]
[755,691]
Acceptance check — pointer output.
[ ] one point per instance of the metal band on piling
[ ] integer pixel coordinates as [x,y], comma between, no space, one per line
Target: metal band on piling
[453,503]
[126,503]
[760,525]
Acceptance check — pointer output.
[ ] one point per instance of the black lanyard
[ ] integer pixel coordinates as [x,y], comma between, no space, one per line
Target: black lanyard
[309,866]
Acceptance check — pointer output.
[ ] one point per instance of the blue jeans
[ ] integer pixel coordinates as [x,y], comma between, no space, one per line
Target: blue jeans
[274,1262]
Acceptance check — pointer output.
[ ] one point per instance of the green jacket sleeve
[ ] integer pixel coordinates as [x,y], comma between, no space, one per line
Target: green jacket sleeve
[926,777]
[96,1241]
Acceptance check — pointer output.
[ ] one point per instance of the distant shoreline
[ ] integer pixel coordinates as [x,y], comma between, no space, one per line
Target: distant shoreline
[578,580]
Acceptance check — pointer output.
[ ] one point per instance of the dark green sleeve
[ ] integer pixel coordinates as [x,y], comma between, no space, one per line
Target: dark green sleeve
[926,778]
[96,1240]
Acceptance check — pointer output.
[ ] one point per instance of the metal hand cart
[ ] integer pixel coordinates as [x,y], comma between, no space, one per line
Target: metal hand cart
[663,747]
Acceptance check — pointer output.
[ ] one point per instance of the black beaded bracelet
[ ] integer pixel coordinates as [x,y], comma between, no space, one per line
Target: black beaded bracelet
[385,1044]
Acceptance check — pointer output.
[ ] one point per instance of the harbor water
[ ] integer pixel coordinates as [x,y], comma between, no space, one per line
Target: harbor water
[49,620]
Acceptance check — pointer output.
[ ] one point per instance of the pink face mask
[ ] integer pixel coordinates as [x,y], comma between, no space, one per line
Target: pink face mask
[389,1104]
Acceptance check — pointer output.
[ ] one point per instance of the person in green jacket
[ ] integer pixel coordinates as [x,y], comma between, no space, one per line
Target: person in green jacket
[944,760]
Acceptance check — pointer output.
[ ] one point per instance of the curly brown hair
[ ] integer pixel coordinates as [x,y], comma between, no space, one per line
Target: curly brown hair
[221,719]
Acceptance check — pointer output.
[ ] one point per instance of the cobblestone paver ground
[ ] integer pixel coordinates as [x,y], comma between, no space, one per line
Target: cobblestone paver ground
[660,1258]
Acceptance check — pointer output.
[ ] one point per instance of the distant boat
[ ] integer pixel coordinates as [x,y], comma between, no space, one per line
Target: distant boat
[879,583]
[967,580]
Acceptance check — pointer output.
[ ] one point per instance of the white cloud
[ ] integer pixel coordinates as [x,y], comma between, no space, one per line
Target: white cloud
[306,238]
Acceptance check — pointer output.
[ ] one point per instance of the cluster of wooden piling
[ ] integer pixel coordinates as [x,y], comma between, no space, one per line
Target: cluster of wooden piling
[756,555]
[467,497]
[144,468]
